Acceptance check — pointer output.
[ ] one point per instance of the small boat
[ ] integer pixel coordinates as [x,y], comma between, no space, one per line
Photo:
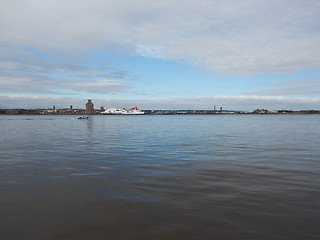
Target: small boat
[83,117]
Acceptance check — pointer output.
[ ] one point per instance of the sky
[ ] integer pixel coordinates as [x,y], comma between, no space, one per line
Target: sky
[169,54]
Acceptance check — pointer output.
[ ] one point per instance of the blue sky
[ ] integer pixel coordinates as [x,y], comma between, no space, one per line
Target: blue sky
[176,54]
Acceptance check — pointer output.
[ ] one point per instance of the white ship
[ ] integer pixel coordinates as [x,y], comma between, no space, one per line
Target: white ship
[118,111]
[113,111]
[133,111]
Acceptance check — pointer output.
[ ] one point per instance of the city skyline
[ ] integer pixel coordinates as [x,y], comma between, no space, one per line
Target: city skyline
[241,55]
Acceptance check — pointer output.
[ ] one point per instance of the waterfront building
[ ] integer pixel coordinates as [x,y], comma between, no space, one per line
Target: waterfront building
[89,107]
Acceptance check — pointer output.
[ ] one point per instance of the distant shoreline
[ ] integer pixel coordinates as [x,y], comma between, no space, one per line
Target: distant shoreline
[151,112]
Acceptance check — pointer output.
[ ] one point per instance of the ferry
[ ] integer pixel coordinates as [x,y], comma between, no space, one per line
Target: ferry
[118,111]
[113,111]
[134,111]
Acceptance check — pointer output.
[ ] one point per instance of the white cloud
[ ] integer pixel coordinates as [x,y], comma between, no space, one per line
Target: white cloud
[291,87]
[51,86]
[24,71]
[289,91]
[102,86]
[303,81]
[239,37]
[150,51]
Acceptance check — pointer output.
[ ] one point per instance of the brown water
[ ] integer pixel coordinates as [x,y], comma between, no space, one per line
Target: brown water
[160,177]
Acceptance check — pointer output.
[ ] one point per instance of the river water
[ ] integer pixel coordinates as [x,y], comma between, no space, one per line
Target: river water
[160,177]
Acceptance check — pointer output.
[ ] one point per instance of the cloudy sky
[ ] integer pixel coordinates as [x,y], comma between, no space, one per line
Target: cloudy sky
[169,54]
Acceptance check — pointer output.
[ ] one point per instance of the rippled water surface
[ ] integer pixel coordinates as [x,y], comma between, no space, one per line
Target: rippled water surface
[160,177]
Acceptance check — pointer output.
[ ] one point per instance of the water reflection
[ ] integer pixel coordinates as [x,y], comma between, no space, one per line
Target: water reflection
[190,177]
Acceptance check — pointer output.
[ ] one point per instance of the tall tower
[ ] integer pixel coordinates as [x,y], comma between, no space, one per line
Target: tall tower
[89,107]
